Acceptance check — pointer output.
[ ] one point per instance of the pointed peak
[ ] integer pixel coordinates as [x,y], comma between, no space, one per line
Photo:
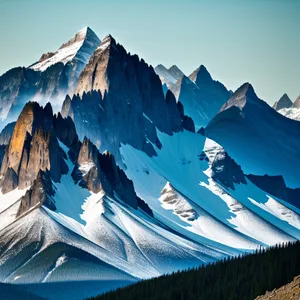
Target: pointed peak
[283,102]
[241,96]
[107,41]
[160,67]
[297,102]
[175,72]
[84,41]
[200,75]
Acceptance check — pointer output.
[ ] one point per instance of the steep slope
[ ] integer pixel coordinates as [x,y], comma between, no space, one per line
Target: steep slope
[283,102]
[50,79]
[200,95]
[204,194]
[258,138]
[121,101]
[6,133]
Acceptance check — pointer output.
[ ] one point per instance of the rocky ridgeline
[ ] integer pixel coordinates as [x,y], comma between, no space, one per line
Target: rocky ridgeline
[35,159]
[119,99]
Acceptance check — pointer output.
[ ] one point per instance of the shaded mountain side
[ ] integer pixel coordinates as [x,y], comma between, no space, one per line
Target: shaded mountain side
[290,291]
[283,102]
[253,133]
[240,278]
[6,133]
[200,95]
[275,185]
[13,292]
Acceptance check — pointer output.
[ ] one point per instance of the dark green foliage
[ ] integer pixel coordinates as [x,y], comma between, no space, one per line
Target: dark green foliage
[243,277]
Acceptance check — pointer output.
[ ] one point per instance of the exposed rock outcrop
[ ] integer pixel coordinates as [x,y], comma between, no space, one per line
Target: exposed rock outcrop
[41,193]
[32,147]
[226,171]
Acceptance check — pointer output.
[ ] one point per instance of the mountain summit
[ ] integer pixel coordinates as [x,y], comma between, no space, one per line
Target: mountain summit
[283,102]
[80,48]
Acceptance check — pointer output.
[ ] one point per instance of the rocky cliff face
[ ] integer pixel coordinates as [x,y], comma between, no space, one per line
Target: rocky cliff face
[99,172]
[40,193]
[201,96]
[50,79]
[32,147]
[34,158]
[120,100]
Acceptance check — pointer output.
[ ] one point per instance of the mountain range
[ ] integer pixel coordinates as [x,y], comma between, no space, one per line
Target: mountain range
[114,171]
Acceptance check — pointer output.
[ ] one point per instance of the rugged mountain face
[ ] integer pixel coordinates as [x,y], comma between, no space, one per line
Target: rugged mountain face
[32,147]
[50,79]
[201,96]
[283,102]
[6,133]
[120,100]
[168,76]
[257,137]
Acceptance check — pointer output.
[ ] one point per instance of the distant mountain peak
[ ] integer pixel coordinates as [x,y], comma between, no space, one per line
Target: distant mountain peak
[283,102]
[175,72]
[297,102]
[241,96]
[107,42]
[69,50]
[201,75]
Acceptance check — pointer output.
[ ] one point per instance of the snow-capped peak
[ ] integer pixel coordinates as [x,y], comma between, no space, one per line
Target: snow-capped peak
[84,42]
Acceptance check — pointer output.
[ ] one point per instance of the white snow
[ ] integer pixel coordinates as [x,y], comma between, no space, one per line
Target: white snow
[63,54]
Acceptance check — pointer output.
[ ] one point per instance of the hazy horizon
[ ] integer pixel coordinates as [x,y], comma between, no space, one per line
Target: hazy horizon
[253,41]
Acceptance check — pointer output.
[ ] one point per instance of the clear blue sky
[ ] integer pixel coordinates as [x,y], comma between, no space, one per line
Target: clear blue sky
[237,40]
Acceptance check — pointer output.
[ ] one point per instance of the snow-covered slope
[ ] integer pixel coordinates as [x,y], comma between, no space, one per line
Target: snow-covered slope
[80,47]
[221,216]
[291,113]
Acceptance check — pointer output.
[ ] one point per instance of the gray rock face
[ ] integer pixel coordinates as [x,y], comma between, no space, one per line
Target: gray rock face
[201,96]
[41,193]
[43,83]
[6,133]
[32,147]
[283,102]
[120,101]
